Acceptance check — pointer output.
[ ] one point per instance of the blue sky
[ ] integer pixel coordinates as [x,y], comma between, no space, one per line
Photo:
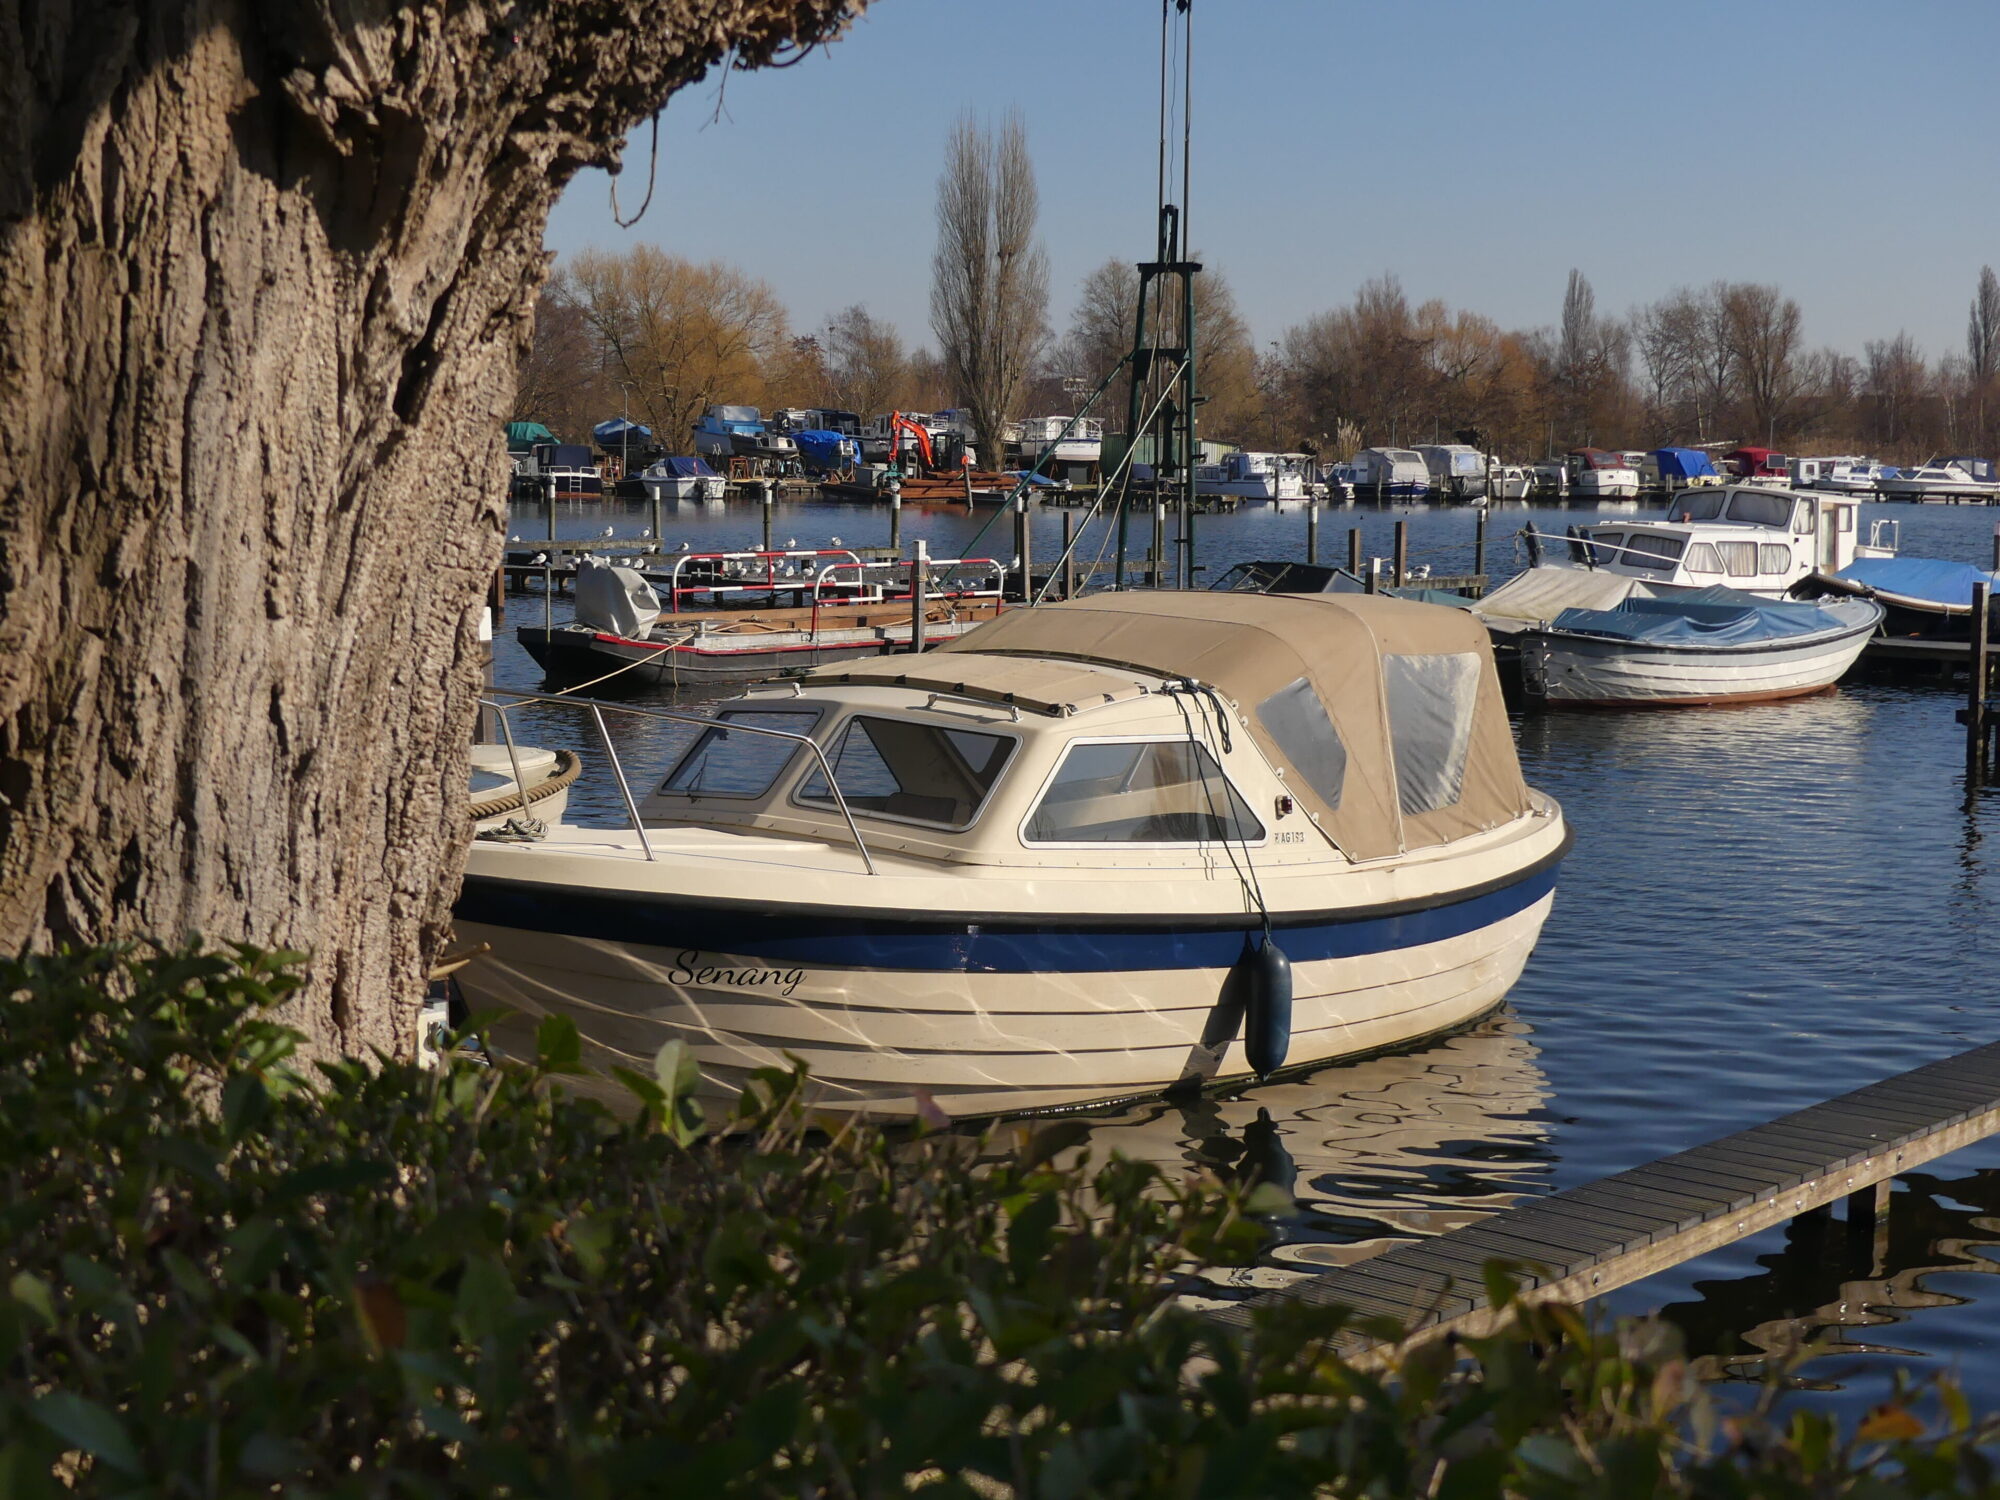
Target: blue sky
[1477,148]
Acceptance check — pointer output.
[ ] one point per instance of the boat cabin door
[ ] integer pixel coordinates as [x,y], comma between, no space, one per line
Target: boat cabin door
[1834,542]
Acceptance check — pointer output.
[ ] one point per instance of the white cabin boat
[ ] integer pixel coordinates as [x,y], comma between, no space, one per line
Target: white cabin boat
[681,479]
[1254,477]
[1457,471]
[1062,440]
[1853,476]
[1944,479]
[1092,850]
[726,432]
[1595,471]
[1513,482]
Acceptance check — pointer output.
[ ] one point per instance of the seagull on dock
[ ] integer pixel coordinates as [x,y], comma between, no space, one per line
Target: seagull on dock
[686,547]
[646,533]
[837,542]
[609,531]
[791,541]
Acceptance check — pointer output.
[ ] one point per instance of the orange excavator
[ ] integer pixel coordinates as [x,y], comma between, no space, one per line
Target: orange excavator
[898,424]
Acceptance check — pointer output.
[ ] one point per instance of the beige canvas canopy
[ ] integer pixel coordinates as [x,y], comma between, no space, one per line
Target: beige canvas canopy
[1325,681]
[1039,686]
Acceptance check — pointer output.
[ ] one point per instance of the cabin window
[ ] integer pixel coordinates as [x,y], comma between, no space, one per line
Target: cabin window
[918,773]
[1607,547]
[1701,558]
[1776,558]
[726,763]
[1846,518]
[1739,559]
[1431,700]
[1760,510]
[1643,550]
[1296,721]
[1151,792]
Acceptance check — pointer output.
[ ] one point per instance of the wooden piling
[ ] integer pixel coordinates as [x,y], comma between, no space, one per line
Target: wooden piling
[1024,543]
[551,492]
[1975,695]
[895,517]
[1069,554]
[770,492]
[1479,543]
[919,565]
[1402,552]
[1354,550]
[1312,531]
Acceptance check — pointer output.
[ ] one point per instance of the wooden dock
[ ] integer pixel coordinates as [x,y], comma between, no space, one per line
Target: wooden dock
[1578,1244]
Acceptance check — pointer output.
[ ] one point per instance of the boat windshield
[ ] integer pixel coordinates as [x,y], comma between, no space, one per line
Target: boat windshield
[1699,505]
[915,773]
[1760,509]
[1150,792]
[721,764]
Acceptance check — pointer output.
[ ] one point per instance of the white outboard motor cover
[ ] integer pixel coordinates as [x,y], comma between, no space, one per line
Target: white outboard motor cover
[614,599]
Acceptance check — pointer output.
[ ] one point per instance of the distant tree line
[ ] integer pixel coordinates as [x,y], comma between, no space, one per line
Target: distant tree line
[660,338]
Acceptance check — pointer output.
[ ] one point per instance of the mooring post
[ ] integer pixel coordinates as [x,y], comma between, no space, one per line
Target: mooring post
[1188,512]
[1312,531]
[1402,552]
[1479,543]
[1024,546]
[1374,575]
[1158,552]
[895,515]
[1069,553]
[1975,696]
[550,490]
[919,565]
[653,493]
[1868,1218]
[1996,542]
[1354,550]
[769,490]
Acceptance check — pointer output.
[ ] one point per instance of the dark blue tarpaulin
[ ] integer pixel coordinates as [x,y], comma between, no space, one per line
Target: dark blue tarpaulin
[1718,616]
[1684,463]
[682,468]
[822,448]
[1930,580]
[619,433]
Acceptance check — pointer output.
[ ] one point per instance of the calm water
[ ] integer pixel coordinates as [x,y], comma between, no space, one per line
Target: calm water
[1766,906]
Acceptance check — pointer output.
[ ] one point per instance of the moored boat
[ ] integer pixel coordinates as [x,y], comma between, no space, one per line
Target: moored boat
[1943,479]
[1926,597]
[1711,646]
[1093,850]
[686,478]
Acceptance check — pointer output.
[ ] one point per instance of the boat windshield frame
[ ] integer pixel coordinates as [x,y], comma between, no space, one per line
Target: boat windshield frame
[727,717]
[1076,742]
[836,732]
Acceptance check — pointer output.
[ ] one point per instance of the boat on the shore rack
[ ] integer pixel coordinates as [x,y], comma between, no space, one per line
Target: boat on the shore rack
[732,432]
[1709,646]
[708,630]
[1093,850]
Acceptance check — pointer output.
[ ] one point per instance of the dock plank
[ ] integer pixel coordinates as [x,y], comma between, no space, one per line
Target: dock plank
[1619,1229]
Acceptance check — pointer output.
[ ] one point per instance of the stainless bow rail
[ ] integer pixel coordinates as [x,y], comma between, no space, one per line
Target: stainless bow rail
[597,706]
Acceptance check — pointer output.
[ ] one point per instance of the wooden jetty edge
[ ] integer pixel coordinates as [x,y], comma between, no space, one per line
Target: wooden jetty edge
[1578,1244]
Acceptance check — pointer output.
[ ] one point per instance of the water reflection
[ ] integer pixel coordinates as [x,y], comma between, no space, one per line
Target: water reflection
[1375,1152]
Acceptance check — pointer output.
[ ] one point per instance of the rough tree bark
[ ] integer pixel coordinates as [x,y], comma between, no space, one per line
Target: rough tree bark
[266,271]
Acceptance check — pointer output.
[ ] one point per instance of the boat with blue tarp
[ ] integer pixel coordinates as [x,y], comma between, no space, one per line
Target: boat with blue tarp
[1925,596]
[1705,646]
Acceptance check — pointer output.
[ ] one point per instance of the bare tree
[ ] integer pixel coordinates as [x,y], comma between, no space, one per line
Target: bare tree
[1669,336]
[1588,364]
[1982,344]
[1898,381]
[866,366]
[989,278]
[1762,327]
[267,273]
[560,383]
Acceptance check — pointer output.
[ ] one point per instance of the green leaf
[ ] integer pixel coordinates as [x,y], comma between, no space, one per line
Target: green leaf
[1029,1234]
[33,1293]
[558,1044]
[245,1103]
[86,1425]
[591,1237]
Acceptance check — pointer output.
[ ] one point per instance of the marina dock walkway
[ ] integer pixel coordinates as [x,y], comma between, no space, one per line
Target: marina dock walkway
[1578,1244]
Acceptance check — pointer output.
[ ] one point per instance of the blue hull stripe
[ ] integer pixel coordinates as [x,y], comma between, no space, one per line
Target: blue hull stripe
[796,935]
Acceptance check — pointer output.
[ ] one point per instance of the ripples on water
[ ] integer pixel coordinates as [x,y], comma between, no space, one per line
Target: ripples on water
[1766,906]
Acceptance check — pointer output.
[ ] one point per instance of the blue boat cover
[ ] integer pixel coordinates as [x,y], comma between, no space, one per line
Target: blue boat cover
[619,433]
[820,447]
[1930,579]
[686,468]
[1683,463]
[1713,616]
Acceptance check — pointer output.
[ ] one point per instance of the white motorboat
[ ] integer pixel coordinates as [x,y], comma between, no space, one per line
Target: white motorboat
[1549,479]
[1944,479]
[688,478]
[1257,476]
[1513,482]
[1594,471]
[1056,440]
[1092,850]
[1853,476]
[1390,474]
[1711,646]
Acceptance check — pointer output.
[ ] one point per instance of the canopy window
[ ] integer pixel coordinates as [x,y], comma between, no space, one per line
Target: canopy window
[727,762]
[1151,792]
[1296,720]
[920,773]
[1431,703]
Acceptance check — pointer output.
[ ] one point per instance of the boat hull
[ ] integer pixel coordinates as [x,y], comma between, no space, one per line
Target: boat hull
[981,1017]
[576,655]
[1585,672]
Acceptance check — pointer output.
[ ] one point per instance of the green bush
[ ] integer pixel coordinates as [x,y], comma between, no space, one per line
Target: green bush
[223,1279]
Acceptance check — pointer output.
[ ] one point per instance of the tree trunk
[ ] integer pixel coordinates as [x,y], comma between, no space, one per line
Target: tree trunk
[266,270]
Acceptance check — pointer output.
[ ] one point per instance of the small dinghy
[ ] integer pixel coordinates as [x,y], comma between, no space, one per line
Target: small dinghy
[1091,850]
[1706,646]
